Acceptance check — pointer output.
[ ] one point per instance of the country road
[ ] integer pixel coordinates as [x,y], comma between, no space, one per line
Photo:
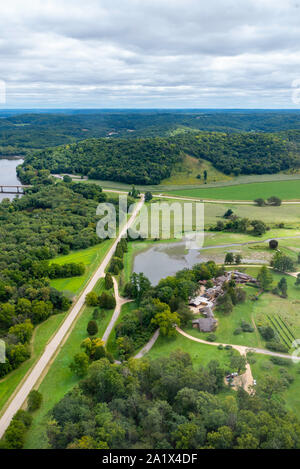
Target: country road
[216,201]
[119,303]
[41,365]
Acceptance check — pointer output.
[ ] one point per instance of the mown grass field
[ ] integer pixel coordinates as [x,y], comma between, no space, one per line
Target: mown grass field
[90,257]
[59,378]
[201,354]
[286,190]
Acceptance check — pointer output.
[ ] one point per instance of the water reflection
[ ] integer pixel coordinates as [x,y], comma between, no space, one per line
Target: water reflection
[8,174]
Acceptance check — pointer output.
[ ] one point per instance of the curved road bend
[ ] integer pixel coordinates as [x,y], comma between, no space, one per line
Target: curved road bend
[119,303]
[38,369]
[246,378]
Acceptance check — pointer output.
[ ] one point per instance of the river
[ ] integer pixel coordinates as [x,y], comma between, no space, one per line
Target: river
[8,174]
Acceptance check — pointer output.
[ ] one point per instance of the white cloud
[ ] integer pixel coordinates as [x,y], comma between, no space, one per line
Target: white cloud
[136,53]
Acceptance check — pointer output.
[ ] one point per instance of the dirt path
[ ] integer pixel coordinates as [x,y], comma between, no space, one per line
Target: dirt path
[119,303]
[54,344]
[246,379]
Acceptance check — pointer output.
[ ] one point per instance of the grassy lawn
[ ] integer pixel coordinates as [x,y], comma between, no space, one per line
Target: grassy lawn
[59,379]
[286,190]
[201,354]
[90,257]
[42,334]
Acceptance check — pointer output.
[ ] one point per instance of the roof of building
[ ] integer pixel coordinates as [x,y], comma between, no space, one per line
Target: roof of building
[206,324]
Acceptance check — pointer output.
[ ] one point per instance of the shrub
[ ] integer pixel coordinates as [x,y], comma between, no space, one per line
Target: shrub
[281,361]
[266,332]
[211,337]
[92,328]
[273,244]
[34,400]
[108,281]
[91,299]
[276,346]
[246,327]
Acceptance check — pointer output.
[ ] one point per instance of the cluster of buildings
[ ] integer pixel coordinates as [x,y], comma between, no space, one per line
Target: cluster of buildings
[206,302]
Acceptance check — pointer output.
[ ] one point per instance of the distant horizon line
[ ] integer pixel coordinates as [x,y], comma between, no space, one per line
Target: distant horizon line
[144,109]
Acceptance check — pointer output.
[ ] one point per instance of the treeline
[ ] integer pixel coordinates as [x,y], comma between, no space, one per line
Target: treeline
[150,160]
[48,221]
[42,130]
[170,404]
[242,153]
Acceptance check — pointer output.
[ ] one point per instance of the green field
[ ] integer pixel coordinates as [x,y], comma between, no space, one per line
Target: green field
[201,354]
[42,334]
[90,257]
[186,172]
[287,214]
[286,190]
[59,379]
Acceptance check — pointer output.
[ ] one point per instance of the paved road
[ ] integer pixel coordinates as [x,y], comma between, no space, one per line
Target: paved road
[38,369]
[217,201]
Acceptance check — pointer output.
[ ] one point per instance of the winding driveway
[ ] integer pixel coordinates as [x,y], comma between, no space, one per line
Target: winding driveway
[119,303]
[246,379]
[53,346]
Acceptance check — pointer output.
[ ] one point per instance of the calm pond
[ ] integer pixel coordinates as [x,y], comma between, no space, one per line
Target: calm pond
[8,174]
[165,259]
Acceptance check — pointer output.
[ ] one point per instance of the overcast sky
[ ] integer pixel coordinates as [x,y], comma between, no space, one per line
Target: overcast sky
[150,53]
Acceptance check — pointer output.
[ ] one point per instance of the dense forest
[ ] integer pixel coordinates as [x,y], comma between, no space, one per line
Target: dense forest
[169,403]
[143,161]
[47,221]
[32,130]
[150,160]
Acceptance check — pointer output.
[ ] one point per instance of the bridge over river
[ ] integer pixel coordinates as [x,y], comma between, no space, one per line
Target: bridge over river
[17,189]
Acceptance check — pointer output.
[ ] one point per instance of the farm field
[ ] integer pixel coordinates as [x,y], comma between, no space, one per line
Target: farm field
[287,214]
[222,181]
[286,190]
[42,335]
[90,257]
[59,379]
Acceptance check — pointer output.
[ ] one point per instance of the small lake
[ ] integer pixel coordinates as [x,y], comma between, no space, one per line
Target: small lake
[8,175]
[166,259]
